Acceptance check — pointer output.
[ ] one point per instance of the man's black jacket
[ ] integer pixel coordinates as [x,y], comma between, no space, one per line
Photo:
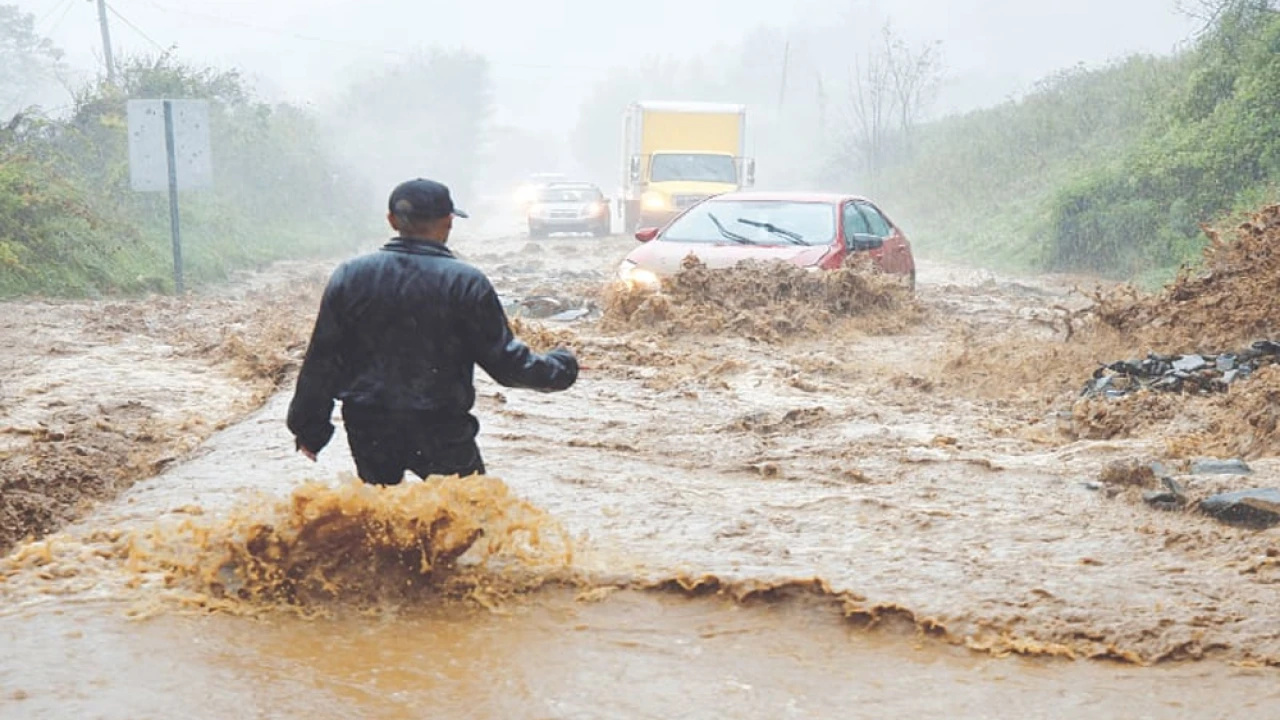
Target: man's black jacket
[402,329]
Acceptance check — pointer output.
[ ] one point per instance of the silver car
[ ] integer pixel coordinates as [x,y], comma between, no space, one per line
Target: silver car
[569,208]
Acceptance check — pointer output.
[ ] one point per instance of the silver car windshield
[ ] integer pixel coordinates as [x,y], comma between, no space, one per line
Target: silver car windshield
[759,222]
[569,195]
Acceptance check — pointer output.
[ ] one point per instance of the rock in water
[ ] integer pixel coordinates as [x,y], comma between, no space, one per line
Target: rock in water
[1258,509]
[1220,467]
[1164,499]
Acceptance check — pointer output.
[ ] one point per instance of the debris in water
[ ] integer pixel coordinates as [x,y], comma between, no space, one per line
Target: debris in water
[357,544]
[765,301]
[1172,497]
[1128,473]
[540,307]
[1258,509]
[1221,467]
[570,315]
[1194,374]
[541,339]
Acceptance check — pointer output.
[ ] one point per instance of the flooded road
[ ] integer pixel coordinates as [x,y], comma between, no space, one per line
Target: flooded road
[829,526]
[632,656]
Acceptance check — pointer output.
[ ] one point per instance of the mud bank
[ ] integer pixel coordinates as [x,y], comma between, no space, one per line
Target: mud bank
[97,395]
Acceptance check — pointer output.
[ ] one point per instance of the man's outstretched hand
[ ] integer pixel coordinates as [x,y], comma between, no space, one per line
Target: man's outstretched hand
[307,453]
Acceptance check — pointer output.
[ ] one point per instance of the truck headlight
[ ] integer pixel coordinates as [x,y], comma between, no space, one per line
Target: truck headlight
[595,209]
[653,200]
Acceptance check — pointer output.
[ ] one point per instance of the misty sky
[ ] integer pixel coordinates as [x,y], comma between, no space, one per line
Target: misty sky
[547,53]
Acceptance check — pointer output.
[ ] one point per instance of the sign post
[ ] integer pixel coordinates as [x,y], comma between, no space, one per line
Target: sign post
[168,152]
[174,225]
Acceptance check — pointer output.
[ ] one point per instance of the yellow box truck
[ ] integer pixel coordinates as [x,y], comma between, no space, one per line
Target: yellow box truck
[677,154]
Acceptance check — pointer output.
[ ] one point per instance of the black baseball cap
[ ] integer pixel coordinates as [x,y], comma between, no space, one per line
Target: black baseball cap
[423,200]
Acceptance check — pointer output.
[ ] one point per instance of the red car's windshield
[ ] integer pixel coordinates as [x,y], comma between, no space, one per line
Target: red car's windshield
[758,222]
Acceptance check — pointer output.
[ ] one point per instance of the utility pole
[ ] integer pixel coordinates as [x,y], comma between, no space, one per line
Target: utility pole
[106,41]
[786,61]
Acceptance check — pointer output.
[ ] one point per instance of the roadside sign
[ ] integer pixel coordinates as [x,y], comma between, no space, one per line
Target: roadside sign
[148,161]
[169,151]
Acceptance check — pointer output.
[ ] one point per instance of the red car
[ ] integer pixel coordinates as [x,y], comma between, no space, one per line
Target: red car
[813,230]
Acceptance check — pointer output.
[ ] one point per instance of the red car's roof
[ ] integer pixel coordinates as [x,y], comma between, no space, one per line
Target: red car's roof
[770,196]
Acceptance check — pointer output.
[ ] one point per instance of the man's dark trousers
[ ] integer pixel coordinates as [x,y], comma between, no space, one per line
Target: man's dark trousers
[384,444]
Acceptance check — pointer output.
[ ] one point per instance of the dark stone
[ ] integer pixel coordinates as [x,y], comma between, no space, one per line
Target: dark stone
[1258,509]
[1173,486]
[1164,500]
[1192,374]
[1220,467]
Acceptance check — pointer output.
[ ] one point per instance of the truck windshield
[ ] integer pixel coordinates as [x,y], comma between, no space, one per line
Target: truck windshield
[693,168]
[759,222]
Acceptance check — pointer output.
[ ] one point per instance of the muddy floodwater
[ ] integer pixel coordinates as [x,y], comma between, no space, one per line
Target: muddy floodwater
[758,523]
[632,656]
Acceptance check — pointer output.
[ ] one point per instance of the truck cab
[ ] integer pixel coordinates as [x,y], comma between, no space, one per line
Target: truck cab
[679,154]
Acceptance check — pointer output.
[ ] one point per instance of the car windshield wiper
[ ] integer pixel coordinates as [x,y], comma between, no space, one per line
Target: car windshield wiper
[792,236]
[729,233]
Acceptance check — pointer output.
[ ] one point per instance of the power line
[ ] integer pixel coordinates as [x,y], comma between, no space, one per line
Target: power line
[58,23]
[135,28]
[343,43]
[50,12]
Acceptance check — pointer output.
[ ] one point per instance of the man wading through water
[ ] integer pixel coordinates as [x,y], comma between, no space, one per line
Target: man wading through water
[397,339]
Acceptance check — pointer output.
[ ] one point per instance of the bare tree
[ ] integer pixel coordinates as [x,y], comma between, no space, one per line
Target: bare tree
[871,99]
[915,75]
[890,87]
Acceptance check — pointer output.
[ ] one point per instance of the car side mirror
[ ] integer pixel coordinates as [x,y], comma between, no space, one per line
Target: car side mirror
[646,234]
[635,169]
[861,242]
